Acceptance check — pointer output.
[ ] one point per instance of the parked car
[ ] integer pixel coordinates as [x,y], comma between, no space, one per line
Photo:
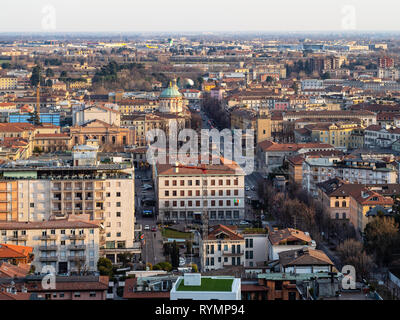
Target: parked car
[146,227]
[247,188]
[244,223]
[153,228]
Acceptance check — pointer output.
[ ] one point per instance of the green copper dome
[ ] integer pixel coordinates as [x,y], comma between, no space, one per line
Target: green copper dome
[171,92]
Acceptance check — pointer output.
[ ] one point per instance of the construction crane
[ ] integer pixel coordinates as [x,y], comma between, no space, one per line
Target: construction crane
[204,185]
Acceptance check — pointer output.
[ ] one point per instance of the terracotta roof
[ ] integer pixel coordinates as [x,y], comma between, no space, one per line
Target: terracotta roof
[70,284]
[215,231]
[4,295]
[272,146]
[288,234]
[304,257]
[14,251]
[8,270]
[209,169]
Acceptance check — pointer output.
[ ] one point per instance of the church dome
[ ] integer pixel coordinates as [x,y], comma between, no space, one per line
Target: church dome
[171,92]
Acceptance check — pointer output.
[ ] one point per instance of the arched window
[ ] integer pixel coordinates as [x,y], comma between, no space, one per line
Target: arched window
[337,204]
[343,203]
[113,139]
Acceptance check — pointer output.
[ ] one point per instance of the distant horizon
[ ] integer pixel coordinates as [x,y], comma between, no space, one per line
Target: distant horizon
[211,16]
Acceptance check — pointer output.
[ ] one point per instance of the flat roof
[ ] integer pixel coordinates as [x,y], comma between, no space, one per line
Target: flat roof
[208,284]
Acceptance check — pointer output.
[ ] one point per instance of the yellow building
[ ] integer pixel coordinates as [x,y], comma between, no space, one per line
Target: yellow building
[8,83]
[138,105]
[339,135]
[245,119]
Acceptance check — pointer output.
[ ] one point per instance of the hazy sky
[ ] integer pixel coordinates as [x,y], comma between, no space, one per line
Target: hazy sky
[203,15]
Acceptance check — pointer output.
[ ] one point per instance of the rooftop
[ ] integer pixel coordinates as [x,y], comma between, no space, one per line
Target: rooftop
[208,284]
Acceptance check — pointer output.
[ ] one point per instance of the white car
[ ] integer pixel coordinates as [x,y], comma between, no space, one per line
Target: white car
[247,188]
[146,227]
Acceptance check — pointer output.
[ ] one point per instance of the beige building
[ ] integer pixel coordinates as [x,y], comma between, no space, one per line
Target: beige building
[183,193]
[103,194]
[67,246]
[223,247]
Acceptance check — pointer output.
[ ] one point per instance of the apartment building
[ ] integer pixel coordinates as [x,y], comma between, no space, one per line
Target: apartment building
[352,202]
[366,117]
[185,192]
[376,136]
[271,155]
[340,134]
[47,191]
[127,107]
[8,83]
[320,169]
[67,246]
[86,287]
[223,247]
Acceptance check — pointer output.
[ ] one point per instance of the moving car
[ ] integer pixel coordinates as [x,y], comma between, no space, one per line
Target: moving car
[244,223]
[153,228]
[146,227]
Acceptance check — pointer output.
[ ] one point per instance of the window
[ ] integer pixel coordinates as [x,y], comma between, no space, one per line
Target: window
[118,204]
[92,294]
[118,194]
[166,193]
[32,205]
[174,182]
[166,183]
[182,182]
[77,294]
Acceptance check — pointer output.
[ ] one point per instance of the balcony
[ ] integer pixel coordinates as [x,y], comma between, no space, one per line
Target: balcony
[48,259]
[77,236]
[232,254]
[18,238]
[48,248]
[76,258]
[48,237]
[77,247]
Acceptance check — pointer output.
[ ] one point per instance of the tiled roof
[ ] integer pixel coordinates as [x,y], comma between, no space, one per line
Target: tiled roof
[8,270]
[14,251]
[304,257]
[219,229]
[288,234]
